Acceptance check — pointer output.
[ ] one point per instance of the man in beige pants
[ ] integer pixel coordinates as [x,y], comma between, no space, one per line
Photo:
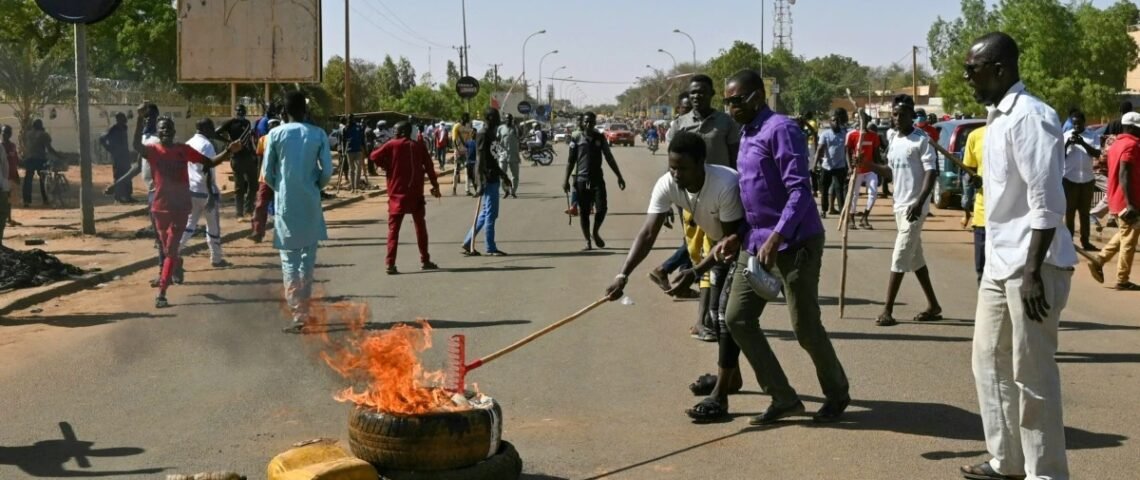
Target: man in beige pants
[1123,199]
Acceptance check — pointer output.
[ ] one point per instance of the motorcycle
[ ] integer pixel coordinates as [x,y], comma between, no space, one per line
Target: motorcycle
[540,154]
[652,145]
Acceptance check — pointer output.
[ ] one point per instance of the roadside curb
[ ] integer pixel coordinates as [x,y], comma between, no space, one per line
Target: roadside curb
[67,287]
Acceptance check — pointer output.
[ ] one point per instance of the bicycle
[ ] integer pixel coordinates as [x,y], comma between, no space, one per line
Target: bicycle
[56,184]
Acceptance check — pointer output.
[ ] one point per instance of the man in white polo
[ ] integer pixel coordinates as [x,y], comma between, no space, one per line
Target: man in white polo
[1028,273]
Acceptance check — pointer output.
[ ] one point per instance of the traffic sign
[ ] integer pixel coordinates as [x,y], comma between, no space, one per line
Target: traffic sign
[85,12]
[467,87]
[525,108]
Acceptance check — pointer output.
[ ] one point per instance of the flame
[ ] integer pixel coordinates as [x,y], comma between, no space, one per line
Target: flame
[388,365]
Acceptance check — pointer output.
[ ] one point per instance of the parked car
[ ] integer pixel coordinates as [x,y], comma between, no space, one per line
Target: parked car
[952,136]
[619,133]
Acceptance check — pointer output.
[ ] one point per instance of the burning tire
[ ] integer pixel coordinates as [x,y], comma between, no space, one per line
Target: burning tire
[445,440]
[504,465]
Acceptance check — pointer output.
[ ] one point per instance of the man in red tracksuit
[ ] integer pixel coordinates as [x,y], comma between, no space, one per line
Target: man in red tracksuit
[172,201]
[406,162]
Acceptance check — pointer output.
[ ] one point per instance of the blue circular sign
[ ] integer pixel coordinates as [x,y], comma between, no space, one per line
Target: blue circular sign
[524,107]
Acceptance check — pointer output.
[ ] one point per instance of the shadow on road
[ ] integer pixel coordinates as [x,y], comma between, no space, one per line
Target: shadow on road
[587,253]
[259,281]
[361,244]
[787,335]
[77,320]
[673,453]
[368,221]
[82,252]
[47,458]
[944,421]
[215,299]
[508,268]
[277,266]
[1086,357]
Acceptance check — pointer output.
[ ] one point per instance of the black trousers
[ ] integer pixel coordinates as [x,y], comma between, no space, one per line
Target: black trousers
[591,195]
[32,166]
[833,184]
[1078,202]
[245,184]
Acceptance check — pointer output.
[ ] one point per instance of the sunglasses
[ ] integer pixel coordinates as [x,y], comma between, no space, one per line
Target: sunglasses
[737,100]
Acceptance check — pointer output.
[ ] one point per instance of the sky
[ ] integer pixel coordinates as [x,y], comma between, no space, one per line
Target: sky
[613,41]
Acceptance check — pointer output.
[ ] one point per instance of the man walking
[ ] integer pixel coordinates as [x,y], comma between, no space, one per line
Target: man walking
[1029,265]
[490,176]
[911,158]
[298,164]
[1078,181]
[244,164]
[831,157]
[1123,201]
[116,143]
[264,193]
[12,159]
[586,166]
[509,147]
[461,133]
[405,163]
[38,145]
[442,141]
[205,196]
[866,156]
[786,237]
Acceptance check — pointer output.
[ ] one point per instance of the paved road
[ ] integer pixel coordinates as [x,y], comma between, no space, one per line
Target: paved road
[211,384]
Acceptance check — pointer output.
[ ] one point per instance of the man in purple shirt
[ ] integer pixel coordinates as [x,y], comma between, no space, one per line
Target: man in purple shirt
[785,234]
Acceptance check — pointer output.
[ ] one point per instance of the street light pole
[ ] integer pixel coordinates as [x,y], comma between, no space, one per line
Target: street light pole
[671,57]
[523,77]
[677,30]
[539,96]
[761,39]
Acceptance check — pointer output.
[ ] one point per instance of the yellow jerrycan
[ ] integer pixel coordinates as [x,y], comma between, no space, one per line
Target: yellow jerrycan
[320,459]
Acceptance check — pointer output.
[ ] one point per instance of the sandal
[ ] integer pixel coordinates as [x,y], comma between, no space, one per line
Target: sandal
[1127,286]
[983,471]
[708,410]
[704,334]
[687,294]
[497,253]
[707,382]
[886,320]
[928,316]
[470,253]
[659,280]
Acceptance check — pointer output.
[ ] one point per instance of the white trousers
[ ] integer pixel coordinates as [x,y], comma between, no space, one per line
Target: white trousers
[1019,386]
[213,226]
[872,182]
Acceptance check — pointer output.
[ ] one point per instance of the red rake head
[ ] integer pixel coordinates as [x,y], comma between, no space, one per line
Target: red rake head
[457,364]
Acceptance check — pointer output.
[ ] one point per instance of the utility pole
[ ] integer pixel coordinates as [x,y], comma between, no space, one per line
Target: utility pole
[914,71]
[465,45]
[347,68]
[496,74]
[86,205]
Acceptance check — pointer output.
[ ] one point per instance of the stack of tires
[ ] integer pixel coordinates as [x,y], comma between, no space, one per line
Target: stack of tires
[461,445]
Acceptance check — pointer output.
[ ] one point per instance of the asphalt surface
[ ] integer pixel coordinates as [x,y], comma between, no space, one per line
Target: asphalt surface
[212,384]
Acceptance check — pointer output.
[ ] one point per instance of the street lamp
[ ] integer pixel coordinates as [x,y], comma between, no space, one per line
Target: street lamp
[540,32]
[539,96]
[662,50]
[562,89]
[677,30]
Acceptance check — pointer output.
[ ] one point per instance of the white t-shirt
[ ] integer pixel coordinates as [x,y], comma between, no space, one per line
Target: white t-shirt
[1078,162]
[718,201]
[910,157]
[197,171]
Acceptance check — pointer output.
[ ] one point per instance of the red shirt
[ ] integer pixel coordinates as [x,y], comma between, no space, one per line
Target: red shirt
[13,159]
[405,163]
[929,129]
[171,180]
[1124,149]
[870,144]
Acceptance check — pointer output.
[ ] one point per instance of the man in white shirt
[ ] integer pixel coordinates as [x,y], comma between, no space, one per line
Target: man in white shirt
[1028,272]
[712,194]
[1079,181]
[911,158]
[205,195]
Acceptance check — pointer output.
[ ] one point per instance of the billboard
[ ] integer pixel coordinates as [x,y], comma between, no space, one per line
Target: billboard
[224,41]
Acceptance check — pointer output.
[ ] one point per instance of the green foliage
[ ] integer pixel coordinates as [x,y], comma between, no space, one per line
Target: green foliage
[1072,54]
[452,73]
[28,81]
[740,56]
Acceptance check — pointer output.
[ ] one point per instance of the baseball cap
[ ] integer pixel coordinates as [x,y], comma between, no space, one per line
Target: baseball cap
[1131,118]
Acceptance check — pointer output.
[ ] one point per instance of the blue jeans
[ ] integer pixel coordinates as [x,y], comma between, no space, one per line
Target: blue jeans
[297,270]
[487,216]
[968,192]
[679,259]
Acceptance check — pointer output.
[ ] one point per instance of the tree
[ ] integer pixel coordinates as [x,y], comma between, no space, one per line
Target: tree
[948,42]
[28,81]
[364,92]
[809,93]
[452,73]
[740,56]
[406,74]
[388,79]
[838,73]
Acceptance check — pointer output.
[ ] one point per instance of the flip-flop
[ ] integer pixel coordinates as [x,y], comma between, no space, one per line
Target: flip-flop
[470,253]
[1097,271]
[928,316]
[708,410]
[660,281]
[706,383]
[885,320]
[983,471]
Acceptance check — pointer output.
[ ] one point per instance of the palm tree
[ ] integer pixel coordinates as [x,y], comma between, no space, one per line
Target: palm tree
[29,81]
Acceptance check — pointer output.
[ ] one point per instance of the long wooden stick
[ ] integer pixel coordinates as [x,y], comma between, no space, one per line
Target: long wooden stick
[844,215]
[530,338]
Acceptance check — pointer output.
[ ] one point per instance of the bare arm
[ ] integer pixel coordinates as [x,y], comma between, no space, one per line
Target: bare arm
[613,163]
[642,244]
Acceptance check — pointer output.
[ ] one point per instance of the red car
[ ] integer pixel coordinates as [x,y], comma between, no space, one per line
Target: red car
[619,133]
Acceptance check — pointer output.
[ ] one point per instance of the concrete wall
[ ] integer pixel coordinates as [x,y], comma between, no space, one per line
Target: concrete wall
[64,128]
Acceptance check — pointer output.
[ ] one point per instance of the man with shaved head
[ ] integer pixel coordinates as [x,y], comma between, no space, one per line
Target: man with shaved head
[1028,272]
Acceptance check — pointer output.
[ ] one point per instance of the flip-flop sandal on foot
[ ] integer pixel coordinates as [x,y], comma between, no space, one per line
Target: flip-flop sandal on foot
[1097,271]
[983,471]
[928,316]
[885,320]
[470,253]
[708,410]
[704,385]
[1127,286]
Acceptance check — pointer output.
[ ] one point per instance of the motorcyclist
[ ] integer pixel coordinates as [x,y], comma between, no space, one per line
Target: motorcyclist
[651,138]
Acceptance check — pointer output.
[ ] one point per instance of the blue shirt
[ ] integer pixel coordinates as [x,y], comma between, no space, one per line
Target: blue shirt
[775,182]
[471,152]
[835,155]
[354,136]
[296,166]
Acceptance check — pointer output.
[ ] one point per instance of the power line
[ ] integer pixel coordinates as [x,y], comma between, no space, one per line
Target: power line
[400,23]
[384,30]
